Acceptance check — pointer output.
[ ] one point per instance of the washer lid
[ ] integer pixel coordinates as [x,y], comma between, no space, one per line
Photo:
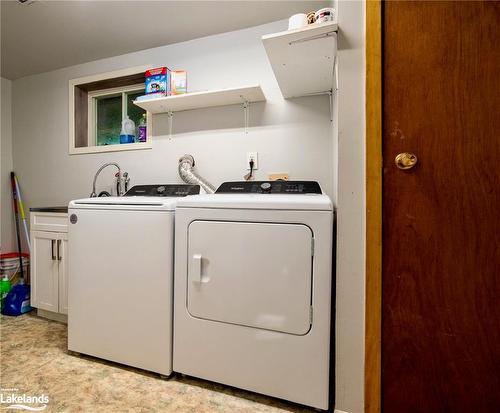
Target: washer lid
[307,202]
[139,203]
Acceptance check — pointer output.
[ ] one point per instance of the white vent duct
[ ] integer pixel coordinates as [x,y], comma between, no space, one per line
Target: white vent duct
[188,175]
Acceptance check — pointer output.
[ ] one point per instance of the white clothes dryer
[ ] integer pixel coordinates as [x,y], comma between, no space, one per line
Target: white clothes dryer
[253,282]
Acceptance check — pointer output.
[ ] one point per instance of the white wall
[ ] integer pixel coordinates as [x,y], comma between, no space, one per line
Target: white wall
[291,136]
[351,208]
[8,241]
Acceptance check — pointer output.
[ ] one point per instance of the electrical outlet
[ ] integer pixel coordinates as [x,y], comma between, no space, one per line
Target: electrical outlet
[255,157]
[283,176]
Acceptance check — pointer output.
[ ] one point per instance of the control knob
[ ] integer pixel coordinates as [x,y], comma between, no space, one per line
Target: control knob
[160,189]
[265,186]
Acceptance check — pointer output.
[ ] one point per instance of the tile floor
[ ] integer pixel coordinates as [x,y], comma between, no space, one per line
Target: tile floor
[34,360]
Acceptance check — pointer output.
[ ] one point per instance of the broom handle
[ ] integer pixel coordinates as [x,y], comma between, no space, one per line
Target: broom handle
[16,213]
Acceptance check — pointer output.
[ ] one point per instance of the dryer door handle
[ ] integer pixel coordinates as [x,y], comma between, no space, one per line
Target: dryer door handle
[196,265]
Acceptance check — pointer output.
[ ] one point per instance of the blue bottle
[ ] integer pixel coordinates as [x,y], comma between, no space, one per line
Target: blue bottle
[17,301]
[127,134]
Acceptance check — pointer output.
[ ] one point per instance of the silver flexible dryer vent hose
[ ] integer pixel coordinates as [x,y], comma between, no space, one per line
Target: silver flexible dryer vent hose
[188,175]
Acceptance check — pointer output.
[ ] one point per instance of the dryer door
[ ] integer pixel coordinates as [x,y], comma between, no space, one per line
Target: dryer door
[252,274]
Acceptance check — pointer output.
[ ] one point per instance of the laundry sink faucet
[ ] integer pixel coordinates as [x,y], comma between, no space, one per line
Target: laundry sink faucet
[121,181]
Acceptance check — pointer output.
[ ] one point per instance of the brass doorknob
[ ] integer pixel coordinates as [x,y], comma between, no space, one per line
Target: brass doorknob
[406,160]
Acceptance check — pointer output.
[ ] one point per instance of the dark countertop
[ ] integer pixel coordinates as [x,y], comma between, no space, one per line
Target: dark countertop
[59,209]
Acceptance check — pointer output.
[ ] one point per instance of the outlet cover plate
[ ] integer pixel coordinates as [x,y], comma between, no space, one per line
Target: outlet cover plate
[255,157]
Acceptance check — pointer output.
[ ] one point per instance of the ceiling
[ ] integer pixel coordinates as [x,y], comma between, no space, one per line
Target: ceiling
[46,35]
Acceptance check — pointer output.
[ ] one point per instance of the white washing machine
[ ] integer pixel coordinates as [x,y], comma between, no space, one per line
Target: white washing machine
[120,289]
[253,282]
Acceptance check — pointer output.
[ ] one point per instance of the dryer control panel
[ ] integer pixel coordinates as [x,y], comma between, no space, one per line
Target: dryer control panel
[270,187]
[176,190]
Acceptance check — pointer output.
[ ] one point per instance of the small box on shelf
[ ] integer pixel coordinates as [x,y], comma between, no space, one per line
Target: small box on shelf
[158,82]
[178,82]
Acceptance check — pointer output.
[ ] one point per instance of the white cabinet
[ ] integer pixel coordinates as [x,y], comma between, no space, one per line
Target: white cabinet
[49,274]
[63,274]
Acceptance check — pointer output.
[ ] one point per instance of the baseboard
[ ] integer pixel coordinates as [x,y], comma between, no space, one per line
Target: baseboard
[62,318]
[339,411]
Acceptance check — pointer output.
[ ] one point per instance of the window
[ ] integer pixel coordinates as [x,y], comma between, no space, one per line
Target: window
[97,106]
[106,111]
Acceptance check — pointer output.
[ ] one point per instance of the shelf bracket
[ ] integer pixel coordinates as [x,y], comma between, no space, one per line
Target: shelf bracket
[246,113]
[170,115]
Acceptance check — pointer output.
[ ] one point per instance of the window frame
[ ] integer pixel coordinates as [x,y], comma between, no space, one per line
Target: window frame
[74,84]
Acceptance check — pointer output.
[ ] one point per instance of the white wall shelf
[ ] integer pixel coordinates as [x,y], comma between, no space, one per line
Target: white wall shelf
[303,60]
[198,100]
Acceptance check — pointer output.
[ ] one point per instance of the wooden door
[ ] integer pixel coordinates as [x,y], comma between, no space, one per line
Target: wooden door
[441,218]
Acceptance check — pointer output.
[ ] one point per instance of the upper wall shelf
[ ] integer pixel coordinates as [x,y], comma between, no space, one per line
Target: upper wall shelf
[303,59]
[198,100]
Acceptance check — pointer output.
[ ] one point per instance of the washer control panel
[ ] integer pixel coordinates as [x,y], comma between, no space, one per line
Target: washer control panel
[270,187]
[176,190]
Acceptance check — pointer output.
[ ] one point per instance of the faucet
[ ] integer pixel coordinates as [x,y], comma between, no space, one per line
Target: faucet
[121,187]
[126,180]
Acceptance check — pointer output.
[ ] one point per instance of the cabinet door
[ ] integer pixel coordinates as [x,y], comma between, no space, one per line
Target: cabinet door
[63,272]
[44,271]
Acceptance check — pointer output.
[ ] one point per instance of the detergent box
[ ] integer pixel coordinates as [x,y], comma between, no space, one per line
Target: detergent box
[158,81]
[178,82]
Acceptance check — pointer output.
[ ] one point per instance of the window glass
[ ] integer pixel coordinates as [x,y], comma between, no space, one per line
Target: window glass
[134,112]
[109,119]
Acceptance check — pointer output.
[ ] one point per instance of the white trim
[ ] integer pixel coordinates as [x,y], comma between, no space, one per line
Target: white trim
[114,148]
[124,105]
[339,411]
[91,126]
[71,114]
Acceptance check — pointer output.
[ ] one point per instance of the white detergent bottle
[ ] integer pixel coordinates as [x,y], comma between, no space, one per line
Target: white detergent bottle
[127,135]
